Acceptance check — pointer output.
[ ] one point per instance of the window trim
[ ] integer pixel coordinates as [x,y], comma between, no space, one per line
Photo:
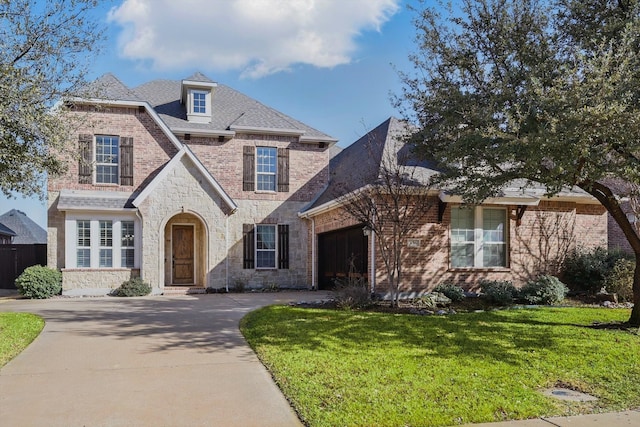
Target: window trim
[478,243]
[274,173]
[98,164]
[274,250]
[192,101]
[71,245]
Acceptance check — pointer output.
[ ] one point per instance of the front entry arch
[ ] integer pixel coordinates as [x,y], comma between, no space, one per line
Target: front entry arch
[185,248]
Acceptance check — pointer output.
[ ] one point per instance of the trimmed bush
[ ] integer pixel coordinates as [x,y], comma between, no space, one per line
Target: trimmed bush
[353,297]
[451,291]
[586,270]
[38,282]
[501,292]
[544,290]
[132,288]
[620,280]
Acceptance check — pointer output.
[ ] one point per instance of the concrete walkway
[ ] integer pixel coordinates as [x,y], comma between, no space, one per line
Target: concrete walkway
[162,361]
[153,361]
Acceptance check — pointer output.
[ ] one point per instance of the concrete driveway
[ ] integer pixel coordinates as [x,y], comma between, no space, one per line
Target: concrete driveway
[153,361]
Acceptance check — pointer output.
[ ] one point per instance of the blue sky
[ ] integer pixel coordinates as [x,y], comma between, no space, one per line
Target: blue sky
[328,63]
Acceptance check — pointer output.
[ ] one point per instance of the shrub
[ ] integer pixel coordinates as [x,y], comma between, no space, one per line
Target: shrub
[499,292]
[620,280]
[544,290]
[38,282]
[586,270]
[451,291]
[133,288]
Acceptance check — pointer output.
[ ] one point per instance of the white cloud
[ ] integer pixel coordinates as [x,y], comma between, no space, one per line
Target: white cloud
[259,37]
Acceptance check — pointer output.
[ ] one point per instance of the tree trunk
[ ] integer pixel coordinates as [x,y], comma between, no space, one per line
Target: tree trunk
[609,201]
[634,320]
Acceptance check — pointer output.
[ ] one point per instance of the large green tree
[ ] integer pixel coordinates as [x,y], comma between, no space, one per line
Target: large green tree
[45,48]
[548,91]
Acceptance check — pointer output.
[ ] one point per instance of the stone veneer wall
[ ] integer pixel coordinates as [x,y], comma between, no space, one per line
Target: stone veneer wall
[94,282]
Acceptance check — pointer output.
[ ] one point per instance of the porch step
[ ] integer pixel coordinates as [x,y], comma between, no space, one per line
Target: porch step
[182,290]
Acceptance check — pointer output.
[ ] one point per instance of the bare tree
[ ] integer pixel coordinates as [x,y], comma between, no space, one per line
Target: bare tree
[391,200]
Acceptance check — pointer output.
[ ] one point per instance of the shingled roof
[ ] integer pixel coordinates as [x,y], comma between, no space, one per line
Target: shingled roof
[231,110]
[25,229]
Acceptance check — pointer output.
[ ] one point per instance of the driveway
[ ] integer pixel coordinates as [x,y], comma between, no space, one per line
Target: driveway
[153,361]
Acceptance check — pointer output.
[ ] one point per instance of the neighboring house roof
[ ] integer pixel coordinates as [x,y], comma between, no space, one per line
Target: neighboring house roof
[89,200]
[25,229]
[6,231]
[361,163]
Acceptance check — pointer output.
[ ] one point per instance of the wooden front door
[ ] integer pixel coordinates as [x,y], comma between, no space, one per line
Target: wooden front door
[183,255]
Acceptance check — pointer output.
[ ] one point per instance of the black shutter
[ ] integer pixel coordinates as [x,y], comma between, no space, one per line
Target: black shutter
[248,168]
[126,160]
[85,172]
[283,246]
[248,246]
[283,170]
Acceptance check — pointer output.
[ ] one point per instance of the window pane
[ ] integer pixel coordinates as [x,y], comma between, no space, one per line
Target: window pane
[127,234]
[462,255]
[106,233]
[266,166]
[127,258]
[199,102]
[107,159]
[493,222]
[266,236]
[83,257]
[106,259]
[84,233]
[266,259]
[493,255]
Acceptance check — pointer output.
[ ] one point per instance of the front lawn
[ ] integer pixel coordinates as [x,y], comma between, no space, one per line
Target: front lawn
[363,369]
[17,331]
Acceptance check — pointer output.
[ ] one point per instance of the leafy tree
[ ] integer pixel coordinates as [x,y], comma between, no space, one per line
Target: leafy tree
[44,52]
[548,91]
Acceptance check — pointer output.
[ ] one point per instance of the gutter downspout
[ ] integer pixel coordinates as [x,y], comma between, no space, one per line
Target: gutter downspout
[372,263]
[313,254]
[226,244]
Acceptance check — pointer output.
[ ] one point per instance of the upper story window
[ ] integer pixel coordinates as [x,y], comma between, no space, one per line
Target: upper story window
[478,237]
[199,102]
[107,159]
[265,169]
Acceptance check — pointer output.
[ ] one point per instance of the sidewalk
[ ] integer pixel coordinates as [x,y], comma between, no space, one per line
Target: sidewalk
[626,418]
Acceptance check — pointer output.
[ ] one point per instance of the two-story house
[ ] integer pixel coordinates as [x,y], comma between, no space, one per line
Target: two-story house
[183,183]
[191,183]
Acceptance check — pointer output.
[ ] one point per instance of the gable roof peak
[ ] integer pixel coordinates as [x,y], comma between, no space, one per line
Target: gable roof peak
[199,77]
[108,86]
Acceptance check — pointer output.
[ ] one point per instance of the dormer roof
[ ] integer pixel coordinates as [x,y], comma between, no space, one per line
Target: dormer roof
[196,81]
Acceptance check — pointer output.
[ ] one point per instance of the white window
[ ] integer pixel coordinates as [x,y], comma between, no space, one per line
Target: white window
[106,244]
[83,244]
[103,242]
[265,246]
[478,237]
[199,102]
[127,246]
[266,167]
[107,159]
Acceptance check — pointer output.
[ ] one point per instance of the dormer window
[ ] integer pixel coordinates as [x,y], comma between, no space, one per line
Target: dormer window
[199,102]
[197,95]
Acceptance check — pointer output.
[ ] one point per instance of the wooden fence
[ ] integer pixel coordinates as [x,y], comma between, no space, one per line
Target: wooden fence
[15,258]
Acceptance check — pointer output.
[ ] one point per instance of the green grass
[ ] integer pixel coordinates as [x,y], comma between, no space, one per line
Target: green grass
[363,369]
[17,331]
